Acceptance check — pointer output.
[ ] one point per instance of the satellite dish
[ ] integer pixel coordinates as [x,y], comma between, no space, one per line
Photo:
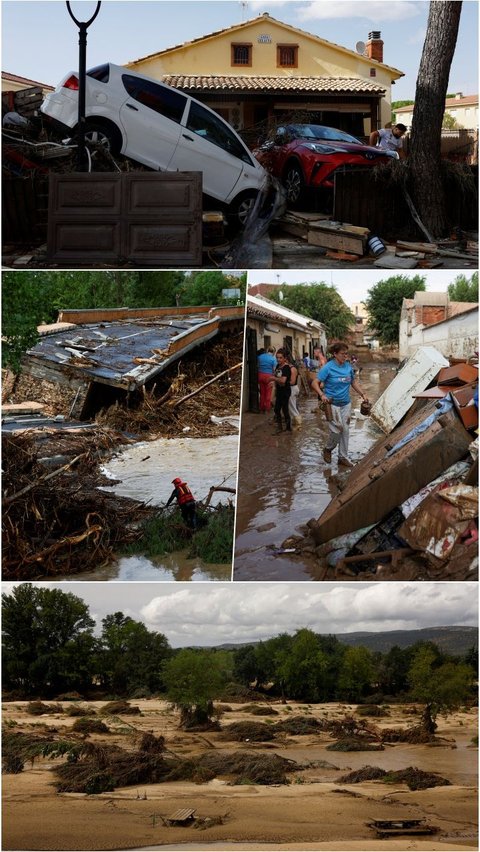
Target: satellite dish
[360,47]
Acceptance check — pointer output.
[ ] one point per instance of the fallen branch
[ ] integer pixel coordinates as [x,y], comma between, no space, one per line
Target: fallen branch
[214,488]
[215,379]
[47,476]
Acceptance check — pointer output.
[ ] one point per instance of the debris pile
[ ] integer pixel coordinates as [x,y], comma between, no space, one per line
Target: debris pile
[58,522]
[415,779]
[409,508]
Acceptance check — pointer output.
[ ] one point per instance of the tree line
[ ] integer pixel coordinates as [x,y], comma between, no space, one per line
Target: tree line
[33,298]
[50,649]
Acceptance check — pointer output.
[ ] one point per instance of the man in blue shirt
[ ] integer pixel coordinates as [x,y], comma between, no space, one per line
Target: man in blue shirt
[332,384]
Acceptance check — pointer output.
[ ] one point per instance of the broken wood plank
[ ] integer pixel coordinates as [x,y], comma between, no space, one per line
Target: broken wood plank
[214,488]
[391,261]
[200,389]
[10,408]
[433,248]
[342,241]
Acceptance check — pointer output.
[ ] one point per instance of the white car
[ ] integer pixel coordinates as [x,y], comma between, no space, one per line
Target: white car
[162,128]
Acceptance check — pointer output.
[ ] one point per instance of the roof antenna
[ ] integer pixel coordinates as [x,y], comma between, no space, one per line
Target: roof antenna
[244,5]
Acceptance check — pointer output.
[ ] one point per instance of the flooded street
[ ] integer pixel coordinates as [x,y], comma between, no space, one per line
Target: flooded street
[284,481]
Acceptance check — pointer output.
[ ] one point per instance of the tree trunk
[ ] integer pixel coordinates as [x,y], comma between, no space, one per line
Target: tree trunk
[430,95]
[428,724]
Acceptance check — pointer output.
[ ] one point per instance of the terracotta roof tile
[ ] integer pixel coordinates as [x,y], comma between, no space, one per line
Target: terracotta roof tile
[15,78]
[252,83]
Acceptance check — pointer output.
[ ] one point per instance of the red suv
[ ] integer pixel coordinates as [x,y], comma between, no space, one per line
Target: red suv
[306,156]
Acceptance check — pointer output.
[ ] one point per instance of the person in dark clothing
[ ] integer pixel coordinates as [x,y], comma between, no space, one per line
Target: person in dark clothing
[186,502]
[282,379]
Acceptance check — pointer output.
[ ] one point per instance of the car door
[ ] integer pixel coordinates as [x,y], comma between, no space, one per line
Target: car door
[151,117]
[207,144]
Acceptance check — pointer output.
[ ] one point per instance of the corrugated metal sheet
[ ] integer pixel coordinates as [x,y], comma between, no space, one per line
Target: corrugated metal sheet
[415,376]
[123,354]
[140,217]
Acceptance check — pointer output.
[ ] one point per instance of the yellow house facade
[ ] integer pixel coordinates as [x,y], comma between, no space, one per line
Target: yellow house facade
[263,70]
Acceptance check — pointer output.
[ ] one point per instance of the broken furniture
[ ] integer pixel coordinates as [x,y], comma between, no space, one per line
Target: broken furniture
[183,816]
[396,468]
[416,374]
[392,827]
[139,217]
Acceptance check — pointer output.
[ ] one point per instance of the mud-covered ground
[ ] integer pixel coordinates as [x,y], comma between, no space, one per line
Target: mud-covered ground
[314,811]
[284,481]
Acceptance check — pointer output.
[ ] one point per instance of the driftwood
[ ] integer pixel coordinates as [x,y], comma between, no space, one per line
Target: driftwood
[214,488]
[42,479]
[215,379]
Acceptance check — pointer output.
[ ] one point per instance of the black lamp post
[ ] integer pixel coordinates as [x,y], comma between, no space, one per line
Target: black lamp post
[82,72]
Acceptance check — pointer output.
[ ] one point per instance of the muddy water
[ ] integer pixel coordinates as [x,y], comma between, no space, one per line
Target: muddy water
[283,481]
[173,566]
[145,471]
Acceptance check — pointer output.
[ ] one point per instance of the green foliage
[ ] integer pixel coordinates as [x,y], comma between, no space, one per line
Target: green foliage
[32,298]
[131,656]
[205,288]
[356,673]
[443,686]
[321,302]
[464,289]
[302,669]
[47,640]
[195,677]
[214,541]
[384,304]
[449,122]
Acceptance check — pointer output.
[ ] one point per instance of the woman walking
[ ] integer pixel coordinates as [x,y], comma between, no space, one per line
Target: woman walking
[266,365]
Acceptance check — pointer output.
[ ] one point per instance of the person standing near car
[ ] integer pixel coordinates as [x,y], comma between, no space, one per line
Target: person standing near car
[390,139]
[281,379]
[266,365]
[332,384]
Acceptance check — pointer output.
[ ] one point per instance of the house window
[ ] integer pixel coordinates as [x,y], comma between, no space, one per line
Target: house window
[373,72]
[242,54]
[287,55]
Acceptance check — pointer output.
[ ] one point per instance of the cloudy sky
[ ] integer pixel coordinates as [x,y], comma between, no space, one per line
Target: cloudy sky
[353,285]
[128,30]
[214,613]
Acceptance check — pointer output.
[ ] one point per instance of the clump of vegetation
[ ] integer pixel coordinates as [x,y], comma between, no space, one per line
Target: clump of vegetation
[248,731]
[80,710]
[239,767]
[416,779]
[416,735]
[371,710]
[259,710]
[300,725]
[120,708]
[367,773]
[70,696]
[166,532]
[19,748]
[213,541]
[38,708]
[354,744]
[85,725]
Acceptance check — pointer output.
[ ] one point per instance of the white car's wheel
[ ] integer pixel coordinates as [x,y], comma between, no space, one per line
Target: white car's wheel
[240,209]
[103,136]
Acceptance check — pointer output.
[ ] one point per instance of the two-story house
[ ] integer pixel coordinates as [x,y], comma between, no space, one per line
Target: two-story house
[263,70]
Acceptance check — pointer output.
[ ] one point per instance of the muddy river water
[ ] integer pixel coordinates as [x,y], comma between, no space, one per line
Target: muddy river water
[284,481]
[145,472]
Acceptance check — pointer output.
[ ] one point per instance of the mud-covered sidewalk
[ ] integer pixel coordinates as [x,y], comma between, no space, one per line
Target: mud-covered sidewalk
[284,481]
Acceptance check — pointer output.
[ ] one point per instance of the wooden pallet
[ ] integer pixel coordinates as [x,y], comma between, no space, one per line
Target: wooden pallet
[180,817]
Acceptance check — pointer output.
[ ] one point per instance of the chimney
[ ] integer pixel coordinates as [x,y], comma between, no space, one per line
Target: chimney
[374,46]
